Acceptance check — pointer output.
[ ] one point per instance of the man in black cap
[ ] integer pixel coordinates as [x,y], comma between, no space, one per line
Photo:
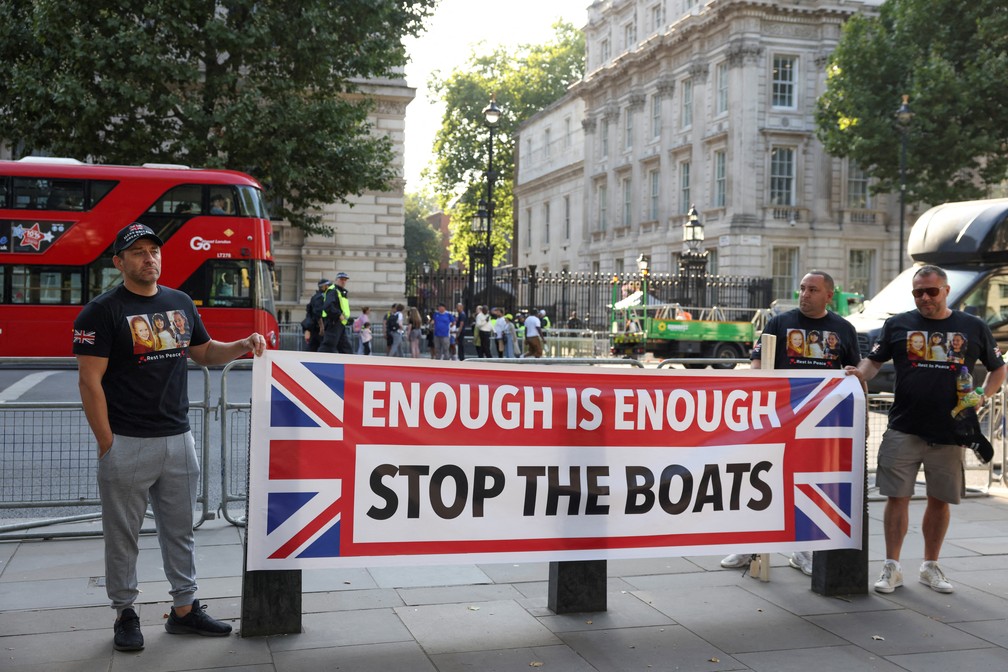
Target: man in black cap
[313,318]
[136,402]
[335,316]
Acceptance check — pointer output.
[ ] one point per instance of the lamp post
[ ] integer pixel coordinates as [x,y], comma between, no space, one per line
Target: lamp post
[903,118]
[483,221]
[694,260]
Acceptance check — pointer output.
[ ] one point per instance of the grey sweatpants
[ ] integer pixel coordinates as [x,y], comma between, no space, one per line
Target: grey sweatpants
[166,470]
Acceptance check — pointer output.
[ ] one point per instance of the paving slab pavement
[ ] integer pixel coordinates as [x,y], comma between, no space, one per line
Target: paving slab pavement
[664,613]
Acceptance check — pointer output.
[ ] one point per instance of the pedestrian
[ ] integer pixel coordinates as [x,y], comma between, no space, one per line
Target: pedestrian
[312,322]
[335,317]
[414,331]
[396,325]
[486,328]
[573,322]
[360,325]
[921,426]
[533,336]
[461,322]
[442,325]
[137,408]
[815,292]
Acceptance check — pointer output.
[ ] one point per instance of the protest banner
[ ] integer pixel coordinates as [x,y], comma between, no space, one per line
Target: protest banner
[359,461]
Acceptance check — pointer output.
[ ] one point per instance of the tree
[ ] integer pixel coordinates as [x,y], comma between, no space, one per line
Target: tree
[269,87]
[951,59]
[524,81]
[423,241]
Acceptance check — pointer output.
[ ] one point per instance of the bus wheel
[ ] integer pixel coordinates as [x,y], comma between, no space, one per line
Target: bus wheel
[725,351]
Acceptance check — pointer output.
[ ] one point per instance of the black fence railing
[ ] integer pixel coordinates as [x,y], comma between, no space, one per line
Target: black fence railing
[589,295]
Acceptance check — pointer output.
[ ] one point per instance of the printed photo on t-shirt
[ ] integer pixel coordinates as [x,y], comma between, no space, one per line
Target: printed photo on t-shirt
[956,348]
[143,335]
[916,344]
[167,330]
[813,344]
[936,347]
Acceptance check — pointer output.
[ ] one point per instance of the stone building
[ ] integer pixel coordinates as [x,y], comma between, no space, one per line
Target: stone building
[368,233]
[707,103]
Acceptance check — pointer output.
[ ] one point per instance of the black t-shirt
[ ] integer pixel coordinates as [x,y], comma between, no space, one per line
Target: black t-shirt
[146,340]
[828,342]
[928,355]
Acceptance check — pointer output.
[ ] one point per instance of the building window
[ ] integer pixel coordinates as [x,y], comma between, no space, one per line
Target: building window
[784,81]
[720,180]
[604,143]
[546,223]
[528,227]
[567,217]
[712,262]
[627,201]
[603,206]
[628,129]
[784,271]
[857,187]
[288,279]
[658,16]
[656,116]
[859,272]
[686,114]
[654,180]
[567,133]
[629,36]
[546,143]
[721,97]
[684,187]
[782,176]
[528,148]
[605,51]
[620,265]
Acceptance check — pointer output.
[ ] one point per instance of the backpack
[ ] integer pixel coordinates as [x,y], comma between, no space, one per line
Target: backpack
[391,323]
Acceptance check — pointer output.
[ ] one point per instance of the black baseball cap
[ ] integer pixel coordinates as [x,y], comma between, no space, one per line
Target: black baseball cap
[132,233]
[325,282]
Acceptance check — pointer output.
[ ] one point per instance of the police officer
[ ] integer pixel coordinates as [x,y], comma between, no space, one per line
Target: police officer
[335,316]
[313,318]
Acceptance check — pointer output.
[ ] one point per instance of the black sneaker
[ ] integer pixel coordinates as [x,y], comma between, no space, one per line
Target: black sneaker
[196,622]
[127,632]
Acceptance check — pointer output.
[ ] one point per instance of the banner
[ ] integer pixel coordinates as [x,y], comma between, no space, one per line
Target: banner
[363,461]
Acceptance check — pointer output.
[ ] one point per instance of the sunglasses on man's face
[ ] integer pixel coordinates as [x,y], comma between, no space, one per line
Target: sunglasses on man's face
[930,291]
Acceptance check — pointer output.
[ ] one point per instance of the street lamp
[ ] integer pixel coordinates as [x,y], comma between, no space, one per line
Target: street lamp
[643,262]
[694,260]
[903,118]
[483,221]
[693,233]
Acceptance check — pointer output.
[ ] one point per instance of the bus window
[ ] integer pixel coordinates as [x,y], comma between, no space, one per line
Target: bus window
[264,286]
[3,284]
[102,276]
[99,190]
[41,193]
[184,200]
[251,202]
[50,285]
[222,201]
[221,283]
[3,192]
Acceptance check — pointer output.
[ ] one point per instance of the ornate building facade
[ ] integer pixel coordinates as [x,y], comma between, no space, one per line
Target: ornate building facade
[368,232]
[711,104]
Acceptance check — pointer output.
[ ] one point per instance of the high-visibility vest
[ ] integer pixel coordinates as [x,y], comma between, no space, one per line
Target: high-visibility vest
[344,303]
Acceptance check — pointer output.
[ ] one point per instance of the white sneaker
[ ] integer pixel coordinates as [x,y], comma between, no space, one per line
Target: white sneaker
[891,577]
[932,576]
[802,560]
[736,560]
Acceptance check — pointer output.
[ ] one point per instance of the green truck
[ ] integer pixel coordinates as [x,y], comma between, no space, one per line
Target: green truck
[672,331]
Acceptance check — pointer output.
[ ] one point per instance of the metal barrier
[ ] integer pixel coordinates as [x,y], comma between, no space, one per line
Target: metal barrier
[236,428]
[48,457]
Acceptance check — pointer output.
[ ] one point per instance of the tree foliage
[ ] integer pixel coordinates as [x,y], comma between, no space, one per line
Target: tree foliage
[264,86]
[524,81]
[951,59]
[423,241]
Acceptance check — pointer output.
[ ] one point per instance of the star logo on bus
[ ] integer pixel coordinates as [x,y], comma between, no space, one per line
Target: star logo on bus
[32,237]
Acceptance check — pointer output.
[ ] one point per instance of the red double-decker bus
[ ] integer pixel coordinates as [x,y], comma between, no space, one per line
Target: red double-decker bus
[59,218]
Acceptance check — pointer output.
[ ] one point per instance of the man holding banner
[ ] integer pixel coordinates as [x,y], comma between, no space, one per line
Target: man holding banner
[922,429]
[810,317]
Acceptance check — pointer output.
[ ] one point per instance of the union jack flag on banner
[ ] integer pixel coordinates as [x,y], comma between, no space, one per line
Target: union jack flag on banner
[358,462]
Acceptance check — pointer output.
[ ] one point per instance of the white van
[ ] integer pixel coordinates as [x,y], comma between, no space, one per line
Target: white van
[969,240]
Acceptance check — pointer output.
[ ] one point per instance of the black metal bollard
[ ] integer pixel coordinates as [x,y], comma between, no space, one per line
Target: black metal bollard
[577,586]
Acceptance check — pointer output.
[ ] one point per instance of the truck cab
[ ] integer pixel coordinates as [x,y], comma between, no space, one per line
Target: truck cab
[969,241]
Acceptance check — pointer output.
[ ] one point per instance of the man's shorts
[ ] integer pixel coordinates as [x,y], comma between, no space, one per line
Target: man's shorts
[900,457]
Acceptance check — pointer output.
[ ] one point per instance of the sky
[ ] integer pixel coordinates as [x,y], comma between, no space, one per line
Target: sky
[456,30]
